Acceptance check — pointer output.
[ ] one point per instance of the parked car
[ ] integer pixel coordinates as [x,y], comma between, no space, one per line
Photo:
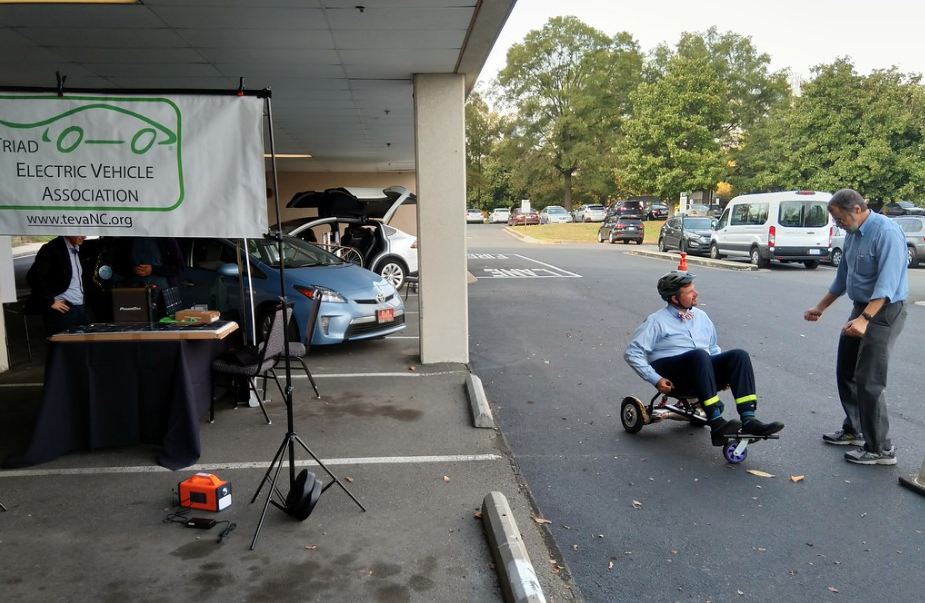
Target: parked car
[629,209]
[589,212]
[474,216]
[902,208]
[791,226]
[686,233]
[554,214]
[356,303]
[657,212]
[914,227]
[621,228]
[499,215]
[518,217]
[838,246]
[715,210]
[697,210]
[389,252]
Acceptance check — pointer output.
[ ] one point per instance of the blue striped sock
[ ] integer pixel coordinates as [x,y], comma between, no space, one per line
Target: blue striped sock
[747,416]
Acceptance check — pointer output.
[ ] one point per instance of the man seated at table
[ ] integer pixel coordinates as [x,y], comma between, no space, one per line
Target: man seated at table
[56,280]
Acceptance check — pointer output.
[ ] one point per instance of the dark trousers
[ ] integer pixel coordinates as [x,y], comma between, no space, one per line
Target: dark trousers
[698,373]
[861,370]
[55,321]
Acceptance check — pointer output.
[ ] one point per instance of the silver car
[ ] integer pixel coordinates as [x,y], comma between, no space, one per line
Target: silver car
[554,214]
[914,227]
[838,246]
[590,213]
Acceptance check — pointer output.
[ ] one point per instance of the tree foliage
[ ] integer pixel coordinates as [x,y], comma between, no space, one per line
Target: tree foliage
[846,130]
[569,85]
[670,145]
[483,132]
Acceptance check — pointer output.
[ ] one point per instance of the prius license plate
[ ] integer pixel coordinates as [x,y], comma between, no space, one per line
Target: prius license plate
[387,315]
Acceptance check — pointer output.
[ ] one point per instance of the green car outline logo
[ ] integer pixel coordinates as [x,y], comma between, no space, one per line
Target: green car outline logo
[71,137]
[139,140]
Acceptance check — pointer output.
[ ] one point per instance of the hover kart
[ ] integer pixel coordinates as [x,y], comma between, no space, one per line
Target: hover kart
[634,415]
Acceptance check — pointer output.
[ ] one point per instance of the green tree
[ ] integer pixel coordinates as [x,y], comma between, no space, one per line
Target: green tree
[846,130]
[483,131]
[671,144]
[750,89]
[569,87]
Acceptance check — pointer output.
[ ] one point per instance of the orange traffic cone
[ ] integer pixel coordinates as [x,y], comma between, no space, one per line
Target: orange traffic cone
[682,265]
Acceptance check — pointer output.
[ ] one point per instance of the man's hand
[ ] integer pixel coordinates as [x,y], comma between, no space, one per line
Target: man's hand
[142,270]
[813,314]
[855,328]
[664,386]
[60,306]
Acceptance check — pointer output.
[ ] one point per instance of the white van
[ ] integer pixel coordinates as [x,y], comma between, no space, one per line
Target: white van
[793,226]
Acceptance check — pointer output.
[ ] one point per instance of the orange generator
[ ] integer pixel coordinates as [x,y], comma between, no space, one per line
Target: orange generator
[205,491]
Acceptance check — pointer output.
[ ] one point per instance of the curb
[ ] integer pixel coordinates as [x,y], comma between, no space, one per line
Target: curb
[478,403]
[692,259]
[519,582]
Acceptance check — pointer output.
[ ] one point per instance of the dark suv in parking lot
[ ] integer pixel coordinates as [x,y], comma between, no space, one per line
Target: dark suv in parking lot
[628,209]
[621,228]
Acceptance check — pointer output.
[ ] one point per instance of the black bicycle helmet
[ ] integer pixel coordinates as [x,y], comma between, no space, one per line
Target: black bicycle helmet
[671,283]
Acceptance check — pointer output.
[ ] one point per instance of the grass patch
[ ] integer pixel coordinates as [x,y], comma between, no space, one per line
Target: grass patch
[581,232]
[17,241]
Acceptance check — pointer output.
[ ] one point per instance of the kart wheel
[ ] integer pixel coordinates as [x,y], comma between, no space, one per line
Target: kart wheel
[729,451]
[631,415]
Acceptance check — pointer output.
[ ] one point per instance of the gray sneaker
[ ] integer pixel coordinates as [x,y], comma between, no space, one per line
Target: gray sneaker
[843,438]
[865,457]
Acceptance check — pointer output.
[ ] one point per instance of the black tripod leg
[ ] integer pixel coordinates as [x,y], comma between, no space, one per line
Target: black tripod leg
[328,471]
[266,505]
[266,476]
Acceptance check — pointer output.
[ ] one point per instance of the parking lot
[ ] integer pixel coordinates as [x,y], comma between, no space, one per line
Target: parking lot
[660,515]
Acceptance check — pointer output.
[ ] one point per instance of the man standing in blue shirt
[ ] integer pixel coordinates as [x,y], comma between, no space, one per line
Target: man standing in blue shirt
[873,274]
[676,349]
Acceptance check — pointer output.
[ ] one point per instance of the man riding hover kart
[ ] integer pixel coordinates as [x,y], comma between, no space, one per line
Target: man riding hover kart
[675,350]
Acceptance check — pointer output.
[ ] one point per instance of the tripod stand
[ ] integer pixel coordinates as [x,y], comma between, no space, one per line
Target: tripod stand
[300,501]
[305,490]
[302,495]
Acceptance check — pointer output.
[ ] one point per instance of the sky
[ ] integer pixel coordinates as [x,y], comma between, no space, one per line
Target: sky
[875,34]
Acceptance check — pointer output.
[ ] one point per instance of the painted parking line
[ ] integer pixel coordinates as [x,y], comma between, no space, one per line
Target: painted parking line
[375,460]
[515,269]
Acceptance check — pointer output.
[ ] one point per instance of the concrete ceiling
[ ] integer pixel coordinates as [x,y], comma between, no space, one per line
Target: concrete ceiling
[340,71]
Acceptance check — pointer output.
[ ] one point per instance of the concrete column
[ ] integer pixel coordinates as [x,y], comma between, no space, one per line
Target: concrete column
[440,149]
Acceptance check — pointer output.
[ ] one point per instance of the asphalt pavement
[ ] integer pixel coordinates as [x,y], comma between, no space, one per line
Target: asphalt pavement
[90,525]
[660,515]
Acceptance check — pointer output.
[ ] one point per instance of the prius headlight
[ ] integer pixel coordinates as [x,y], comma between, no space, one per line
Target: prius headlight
[327,295]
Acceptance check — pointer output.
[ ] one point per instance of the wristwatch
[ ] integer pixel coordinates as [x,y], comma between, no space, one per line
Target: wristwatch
[867,316]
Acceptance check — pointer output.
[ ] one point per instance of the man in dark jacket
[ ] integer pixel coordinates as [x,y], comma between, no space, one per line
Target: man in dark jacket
[56,280]
[144,261]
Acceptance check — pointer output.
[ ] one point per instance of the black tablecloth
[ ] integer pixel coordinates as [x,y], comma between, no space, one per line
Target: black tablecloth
[101,394]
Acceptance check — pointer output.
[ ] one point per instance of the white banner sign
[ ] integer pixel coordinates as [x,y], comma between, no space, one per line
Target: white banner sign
[116,164]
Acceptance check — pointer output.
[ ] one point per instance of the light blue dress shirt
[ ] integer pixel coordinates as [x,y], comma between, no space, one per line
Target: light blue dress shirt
[74,295]
[664,334]
[873,265]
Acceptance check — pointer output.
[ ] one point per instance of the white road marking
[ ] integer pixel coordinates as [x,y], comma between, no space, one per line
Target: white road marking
[549,271]
[376,460]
